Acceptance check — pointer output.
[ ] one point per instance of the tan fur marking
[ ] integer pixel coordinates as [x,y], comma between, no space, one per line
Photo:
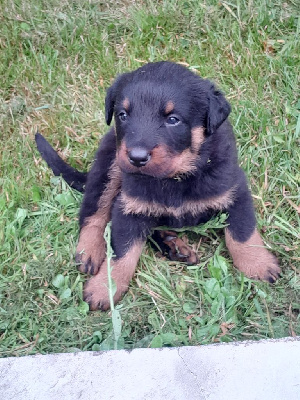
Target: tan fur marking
[252,258]
[96,289]
[197,138]
[90,250]
[169,107]
[170,164]
[164,162]
[132,205]
[185,162]
[126,104]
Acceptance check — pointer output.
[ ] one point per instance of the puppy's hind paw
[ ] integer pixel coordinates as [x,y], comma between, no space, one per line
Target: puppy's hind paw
[178,250]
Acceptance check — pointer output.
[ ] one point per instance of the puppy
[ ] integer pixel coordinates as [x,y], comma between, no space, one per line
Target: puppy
[170,160]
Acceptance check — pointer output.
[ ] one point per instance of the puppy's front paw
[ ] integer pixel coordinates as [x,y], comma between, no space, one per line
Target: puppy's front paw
[90,251]
[253,259]
[264,267]
[96,292]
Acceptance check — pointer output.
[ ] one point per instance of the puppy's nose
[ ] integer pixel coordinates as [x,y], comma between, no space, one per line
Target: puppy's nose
[138,156]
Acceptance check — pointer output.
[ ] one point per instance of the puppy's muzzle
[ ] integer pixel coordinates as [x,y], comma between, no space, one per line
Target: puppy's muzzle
[138,156]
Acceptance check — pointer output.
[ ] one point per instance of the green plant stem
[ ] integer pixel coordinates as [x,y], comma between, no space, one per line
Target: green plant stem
[109,254]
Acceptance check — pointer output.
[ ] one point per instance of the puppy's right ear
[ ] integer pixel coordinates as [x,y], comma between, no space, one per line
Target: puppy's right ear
[110,103]
[111,96]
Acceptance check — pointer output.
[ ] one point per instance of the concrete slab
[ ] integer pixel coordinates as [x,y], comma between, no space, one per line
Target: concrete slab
[268,370]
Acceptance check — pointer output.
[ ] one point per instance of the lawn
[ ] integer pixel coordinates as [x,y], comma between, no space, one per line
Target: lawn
[56,60]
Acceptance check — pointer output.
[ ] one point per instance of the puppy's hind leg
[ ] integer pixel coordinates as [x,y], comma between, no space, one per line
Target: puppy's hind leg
[245,243]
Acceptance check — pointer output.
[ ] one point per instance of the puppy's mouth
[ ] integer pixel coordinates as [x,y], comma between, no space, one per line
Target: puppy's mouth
[160,162]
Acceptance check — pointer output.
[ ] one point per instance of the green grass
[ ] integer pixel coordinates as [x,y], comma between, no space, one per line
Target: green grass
[56,60]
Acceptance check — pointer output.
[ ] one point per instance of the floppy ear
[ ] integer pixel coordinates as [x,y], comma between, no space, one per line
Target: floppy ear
[110,103]
[110,98]
[218,110]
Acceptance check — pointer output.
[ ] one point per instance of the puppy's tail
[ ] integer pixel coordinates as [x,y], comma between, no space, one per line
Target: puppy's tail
[73,177]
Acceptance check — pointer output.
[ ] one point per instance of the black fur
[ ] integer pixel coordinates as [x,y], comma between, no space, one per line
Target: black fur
[146,128]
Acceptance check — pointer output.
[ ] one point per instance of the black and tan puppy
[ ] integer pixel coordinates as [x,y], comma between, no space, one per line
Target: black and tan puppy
[170,160]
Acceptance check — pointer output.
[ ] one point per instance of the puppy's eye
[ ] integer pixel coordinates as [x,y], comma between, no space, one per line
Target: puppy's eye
[173,120]
[123,116]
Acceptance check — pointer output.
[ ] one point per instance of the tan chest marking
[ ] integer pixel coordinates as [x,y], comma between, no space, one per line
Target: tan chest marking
[133,205]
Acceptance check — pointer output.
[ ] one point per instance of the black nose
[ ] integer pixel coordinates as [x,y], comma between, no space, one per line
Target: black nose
[138,156]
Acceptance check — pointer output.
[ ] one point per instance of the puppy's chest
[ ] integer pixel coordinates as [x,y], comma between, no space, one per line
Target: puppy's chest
[171,200]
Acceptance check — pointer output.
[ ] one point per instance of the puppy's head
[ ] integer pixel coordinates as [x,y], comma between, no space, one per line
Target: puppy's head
[163,113]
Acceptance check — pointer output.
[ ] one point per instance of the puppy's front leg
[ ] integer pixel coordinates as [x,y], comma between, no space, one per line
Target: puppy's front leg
[103,185]
[129,233]
[245,243]
[90,251]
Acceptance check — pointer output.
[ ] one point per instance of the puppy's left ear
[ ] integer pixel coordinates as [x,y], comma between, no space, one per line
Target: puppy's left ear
[218,110]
